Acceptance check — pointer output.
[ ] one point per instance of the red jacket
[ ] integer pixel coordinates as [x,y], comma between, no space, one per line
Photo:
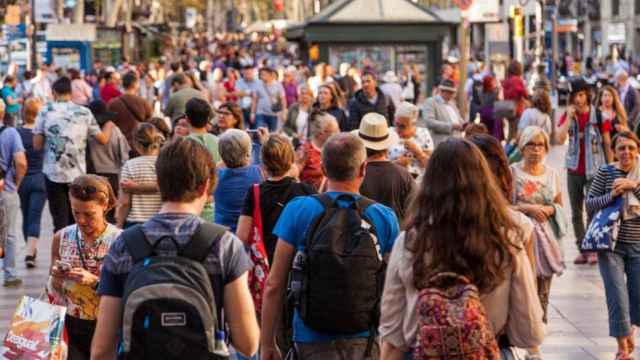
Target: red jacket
[514,89]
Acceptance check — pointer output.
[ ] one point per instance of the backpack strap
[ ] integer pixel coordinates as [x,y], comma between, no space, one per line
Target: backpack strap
[136,242]
[202,240]
[325,200]
[363,203]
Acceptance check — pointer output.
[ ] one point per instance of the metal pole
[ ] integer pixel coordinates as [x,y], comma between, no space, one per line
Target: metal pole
[34,37]
[554,69]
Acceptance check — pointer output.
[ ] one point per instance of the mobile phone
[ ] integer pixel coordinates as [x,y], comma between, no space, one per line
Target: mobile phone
[255,136]
[63,266]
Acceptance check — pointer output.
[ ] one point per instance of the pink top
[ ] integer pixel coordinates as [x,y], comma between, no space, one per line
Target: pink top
[81,92]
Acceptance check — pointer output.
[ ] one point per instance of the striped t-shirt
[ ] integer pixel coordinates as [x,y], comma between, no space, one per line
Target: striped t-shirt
[600,198]
[142,170]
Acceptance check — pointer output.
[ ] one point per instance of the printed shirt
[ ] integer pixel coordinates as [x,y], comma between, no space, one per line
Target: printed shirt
[531,189]
[66,128]
[423,139]
[82,301]
[292,227]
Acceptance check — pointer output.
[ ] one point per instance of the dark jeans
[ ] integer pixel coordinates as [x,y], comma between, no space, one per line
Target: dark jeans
[59,206]
[246,113]
[337,350]
[578,189]
[114,181]
[33,195]
[80,334]
[128,224]
[268,121]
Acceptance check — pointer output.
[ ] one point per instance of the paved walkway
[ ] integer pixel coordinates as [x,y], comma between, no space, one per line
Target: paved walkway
[577,316]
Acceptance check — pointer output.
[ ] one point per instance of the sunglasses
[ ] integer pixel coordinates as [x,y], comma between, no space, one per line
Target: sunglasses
[85,192]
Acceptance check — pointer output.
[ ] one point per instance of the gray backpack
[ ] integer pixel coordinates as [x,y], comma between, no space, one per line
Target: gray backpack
[170,310]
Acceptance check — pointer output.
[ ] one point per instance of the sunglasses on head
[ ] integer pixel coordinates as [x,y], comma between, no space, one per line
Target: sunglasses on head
[84,192]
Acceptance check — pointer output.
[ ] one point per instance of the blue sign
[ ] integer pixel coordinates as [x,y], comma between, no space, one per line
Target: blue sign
[14,32]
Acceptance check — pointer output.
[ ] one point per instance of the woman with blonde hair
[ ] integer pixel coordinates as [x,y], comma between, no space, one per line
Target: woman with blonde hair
[612,110]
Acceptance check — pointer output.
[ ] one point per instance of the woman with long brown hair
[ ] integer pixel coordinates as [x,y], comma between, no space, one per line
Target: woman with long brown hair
[462,224]
[612,110]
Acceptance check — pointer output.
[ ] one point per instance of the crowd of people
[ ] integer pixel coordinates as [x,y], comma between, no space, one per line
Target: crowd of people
[327,213]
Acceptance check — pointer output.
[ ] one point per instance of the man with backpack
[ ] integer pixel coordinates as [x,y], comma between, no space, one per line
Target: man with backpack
[332,247]
[168,286]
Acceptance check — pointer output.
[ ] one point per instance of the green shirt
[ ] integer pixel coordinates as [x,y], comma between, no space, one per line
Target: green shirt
[210,141]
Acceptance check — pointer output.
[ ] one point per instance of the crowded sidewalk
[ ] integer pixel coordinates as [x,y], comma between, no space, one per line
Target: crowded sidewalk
[577,326]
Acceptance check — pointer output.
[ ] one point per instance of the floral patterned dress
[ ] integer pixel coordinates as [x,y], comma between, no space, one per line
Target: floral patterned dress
[81,301]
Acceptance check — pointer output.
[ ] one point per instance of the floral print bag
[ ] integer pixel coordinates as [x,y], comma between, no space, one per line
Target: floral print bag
[603,229]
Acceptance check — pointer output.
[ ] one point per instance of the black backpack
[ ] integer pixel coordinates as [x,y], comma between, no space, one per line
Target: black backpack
[169,305]
[336,282]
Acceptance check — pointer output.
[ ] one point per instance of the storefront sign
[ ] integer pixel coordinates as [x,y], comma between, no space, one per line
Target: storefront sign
[616,33]
[71,32]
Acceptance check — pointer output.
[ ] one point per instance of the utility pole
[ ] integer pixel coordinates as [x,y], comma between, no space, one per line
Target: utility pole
[463,44]
[34,37]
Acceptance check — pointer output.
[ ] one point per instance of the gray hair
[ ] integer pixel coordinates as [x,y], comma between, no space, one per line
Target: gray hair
[319,123]
[407,110]
[342,156]
[234,146]
[530,133]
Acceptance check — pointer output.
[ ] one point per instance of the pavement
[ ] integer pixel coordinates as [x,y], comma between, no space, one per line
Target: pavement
[577,328]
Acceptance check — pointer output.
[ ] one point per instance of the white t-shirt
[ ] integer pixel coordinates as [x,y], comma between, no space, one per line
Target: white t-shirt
[302,123]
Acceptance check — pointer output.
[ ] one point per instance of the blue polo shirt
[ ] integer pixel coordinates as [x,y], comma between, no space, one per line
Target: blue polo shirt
[292,227]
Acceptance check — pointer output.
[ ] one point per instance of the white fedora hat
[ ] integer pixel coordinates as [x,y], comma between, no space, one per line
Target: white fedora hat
[374,132]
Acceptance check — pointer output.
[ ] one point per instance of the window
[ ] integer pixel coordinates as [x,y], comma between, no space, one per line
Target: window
[615,7]
[637,7]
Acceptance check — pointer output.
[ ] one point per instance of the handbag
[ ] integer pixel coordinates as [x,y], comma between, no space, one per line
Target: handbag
[504,109]
[277,107]
[36,332]
[604,226]
[258,254]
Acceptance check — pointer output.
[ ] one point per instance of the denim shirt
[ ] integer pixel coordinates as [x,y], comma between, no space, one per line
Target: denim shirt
[592,140]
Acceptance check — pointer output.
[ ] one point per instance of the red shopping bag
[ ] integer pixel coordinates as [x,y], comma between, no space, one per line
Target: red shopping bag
[260,270]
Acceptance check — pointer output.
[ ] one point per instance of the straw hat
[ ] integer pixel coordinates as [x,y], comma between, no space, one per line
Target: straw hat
[374,132]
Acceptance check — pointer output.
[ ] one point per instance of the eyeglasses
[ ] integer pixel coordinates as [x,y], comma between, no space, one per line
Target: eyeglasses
[626,147]
[535,145]
[224,113]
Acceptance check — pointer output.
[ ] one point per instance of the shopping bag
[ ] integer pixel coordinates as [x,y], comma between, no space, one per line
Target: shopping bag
[602,233]
[35,332]
[258,254]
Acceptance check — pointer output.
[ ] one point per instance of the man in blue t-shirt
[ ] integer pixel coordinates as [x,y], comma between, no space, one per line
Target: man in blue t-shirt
[343,164]
[13,163]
